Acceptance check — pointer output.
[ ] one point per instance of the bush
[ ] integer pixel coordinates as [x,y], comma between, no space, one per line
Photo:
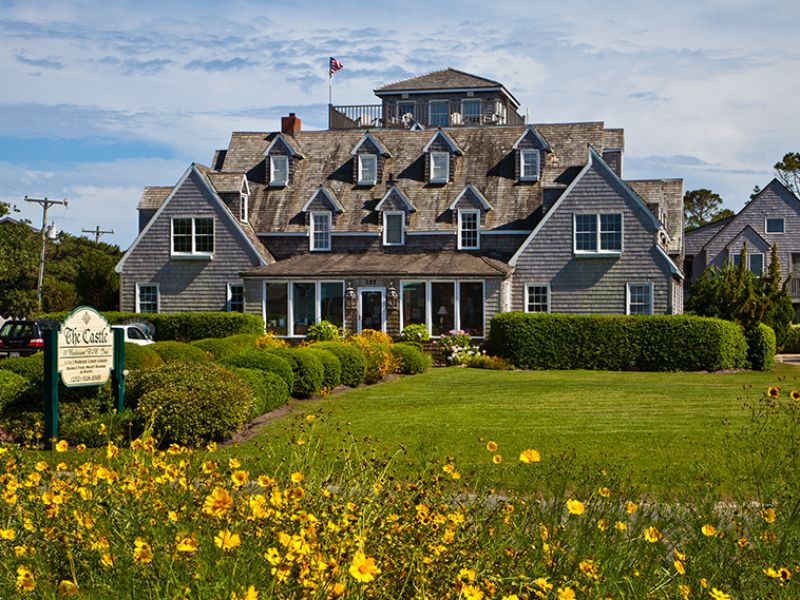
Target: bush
[141,357]
[188,405]
[13,388]
[410,360]
[269,389]
[331,367]
[81,422]
[309,372]
[244,341]
[270,340]
[487,361]
[761,347]
[656,343]
[263,361]
[180,351]
[324,331]
[217,347]
[352,360]
[376,347]
[453,345]
[417,332]
[792,345]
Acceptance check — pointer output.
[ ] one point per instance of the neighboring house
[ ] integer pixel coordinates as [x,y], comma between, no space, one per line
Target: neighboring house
[771,217]
[439,206]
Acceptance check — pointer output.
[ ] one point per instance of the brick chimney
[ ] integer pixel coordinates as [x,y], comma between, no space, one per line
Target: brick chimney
[290,125]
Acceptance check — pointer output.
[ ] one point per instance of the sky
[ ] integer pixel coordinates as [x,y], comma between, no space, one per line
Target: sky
[100,99]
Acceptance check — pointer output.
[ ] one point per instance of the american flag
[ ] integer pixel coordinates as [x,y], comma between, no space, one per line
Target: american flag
[334,66]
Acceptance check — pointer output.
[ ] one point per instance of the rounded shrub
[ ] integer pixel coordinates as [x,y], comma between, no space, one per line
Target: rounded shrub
[324,331]
[761,347]
[31,368]
[352,360]
[191,406]
[180,351]
[141,357]
[417,332]
[263,361]
[309,372]
[244,341]
[217,347]
[376,347]
[332,368]
[13,388]
[410,359]
[792,344]
[269,389]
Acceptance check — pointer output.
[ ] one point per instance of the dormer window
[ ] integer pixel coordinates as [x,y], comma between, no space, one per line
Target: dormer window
[244,201]
[440,167]
[367,169]
[320,234]
[278,171]
[528,165]
[394,228]
[469,226]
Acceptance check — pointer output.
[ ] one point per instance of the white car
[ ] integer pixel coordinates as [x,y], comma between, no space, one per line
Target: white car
[134,334]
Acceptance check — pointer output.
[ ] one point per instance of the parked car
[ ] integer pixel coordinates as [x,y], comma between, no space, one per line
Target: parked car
[21,337]
[135,334]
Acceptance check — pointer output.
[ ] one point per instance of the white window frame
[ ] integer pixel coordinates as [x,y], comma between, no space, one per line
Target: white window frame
[598,235]
[362,158]
[244,206]
[446,104]
[382,291]
[273,160]
[193,253]
[312,231]
[431,159]
[648,284]
[750,263]
[522,155]
[158,296]
[229,297]
[318,300]
[289,283]
[540,285]
[429,311]
[461,230]
[732,258]
[783,225]
[425,291]
[402,216]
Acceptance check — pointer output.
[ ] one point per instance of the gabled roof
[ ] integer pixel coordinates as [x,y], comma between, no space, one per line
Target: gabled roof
[454,148]
[335,204]
[747,232]
[469,188]
[398,193]
[531,130]
[442,80]
[153,197]
[288,141]
[368,136]
[227,183]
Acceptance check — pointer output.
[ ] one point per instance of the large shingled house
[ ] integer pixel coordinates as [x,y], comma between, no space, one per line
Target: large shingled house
[440,206]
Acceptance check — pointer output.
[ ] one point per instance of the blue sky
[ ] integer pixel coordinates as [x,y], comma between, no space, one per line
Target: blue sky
[102,98]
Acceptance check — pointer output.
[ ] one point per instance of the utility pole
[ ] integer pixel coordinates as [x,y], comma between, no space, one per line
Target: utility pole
[97,233]
[45,203]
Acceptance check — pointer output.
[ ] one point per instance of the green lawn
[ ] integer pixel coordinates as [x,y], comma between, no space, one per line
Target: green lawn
[662,429]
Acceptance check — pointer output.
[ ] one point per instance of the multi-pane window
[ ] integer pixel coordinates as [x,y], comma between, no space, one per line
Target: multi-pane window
[529,165]
[443,307]
[439,113]
[193,235]
[537,298]
[393,224]
[406,108]
[755,262]
[320,231]
[640,299]
[413,298]
[469,223]
[775,225]
[440,167]
[470,307]
[290,308]
[331,300]
[147,297]
[598,233]
[367,169]
[471,111]
[235,297]
[278,171]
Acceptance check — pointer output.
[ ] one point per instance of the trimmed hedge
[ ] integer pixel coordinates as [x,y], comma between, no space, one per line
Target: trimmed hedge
[410,358]
[792,345]
[352,360]
[244,341]
[141,357]
[761,347]
[180,351]
[331,367]
[32,369]
[13,388]
[186,326]
[217,347]
[655,343]
[263,361]
[269,389]
[309,372]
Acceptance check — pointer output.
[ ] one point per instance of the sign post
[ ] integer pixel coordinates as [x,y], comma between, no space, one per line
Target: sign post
[50,388]
[118,374]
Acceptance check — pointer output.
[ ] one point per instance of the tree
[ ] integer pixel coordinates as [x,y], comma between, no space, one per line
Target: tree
[780,313]
[19,266]
[722,214]
[4,209]
[788,171]
[96,281]
[700,207]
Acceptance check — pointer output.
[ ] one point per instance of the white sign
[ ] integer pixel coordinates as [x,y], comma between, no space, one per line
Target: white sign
[85,348]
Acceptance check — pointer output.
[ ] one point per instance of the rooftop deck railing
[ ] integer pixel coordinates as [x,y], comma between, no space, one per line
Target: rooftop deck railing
[370,116]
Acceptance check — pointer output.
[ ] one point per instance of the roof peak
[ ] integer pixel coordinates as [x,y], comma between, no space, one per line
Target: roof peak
[441,78]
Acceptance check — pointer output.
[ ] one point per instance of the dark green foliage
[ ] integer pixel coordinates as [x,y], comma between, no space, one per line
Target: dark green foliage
[657,343]
[180,351]
[217,347]
[190,405]
[354,365]
[324,331]
[332,368]
[19,267]
[761,347]
[32,368]
[269,389]
[263,361]
[792,345]
[309,372]
[244,341]
[13,387]
[411,360]
[141,357]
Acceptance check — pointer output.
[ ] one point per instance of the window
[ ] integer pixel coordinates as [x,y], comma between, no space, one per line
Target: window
[440,167]
[367,169]
[755,262]
[235,297]
[470,307]
[320,231]
[439,113]
[192,236]
[244,200]
[413,304]
[471,111]
[147,298]
[393,228]
[303,307]
[278,171]
[443,307]
[406,108]
[598,233]
[276,313]
[528,165]
[331,301]
[469,224]
[537,297]
[640,298]
[735,259]
[775,225]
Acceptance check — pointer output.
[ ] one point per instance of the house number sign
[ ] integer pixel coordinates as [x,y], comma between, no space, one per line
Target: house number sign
[85,348]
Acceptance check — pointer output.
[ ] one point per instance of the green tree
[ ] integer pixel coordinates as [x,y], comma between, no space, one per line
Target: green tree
[96,281]
[4,209]
[19,264]
[780,313]
[788,171]
[699,207]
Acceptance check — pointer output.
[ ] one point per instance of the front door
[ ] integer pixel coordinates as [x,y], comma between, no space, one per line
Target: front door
[371,309]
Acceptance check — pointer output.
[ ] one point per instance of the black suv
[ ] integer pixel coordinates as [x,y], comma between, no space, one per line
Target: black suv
[22,337]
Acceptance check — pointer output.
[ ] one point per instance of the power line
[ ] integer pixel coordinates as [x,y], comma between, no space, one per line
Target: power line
[45,203]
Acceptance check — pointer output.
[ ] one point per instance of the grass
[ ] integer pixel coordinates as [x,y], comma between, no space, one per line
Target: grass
[664,430]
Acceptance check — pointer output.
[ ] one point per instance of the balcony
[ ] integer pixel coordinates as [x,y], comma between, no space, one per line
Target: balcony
[370,116]
[793,285]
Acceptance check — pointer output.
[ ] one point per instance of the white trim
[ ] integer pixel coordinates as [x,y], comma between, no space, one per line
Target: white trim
[549,296]
[425,322]
[193,253]
[783,225]
[312,229]
[361,159]
[403,197]
[368,136]
[461,214]
[524,151]
[402,215]
[328,194]
[628,285]
[431,178]
[481,198]
[278,182]
[155,284]
[285,143]
[531,129]
[672,266]
[598,251]
[382,291]
[244,207]
[229,294]
[450,142]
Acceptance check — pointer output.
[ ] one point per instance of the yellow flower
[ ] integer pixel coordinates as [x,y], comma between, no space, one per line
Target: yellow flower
[620,526]
[588,568]
[8,534]
[708,530]
[25,580]
[566,594]
[297,477]
[310,418]
[101,429]
[211,446]
[529,456]
[543,584]
[684,590]
[66,588]
[337,591]
[106,560]
[602,524]
[62,446]
[249,594]
[771,573]
[363,569]
[80,447]
[651,534]
[768,514]
[142,552]
[227,541]
[471,592]
[742,542]
[186,543]
[467,575]
[575,507]
[491,446]
[785,574]
[497,459]
[630,507]
[448,468]
[795,395]
[233,463]
[774,392]
[716,594]
[239,478]
[679,567]
[217,503]
[604,492]
[510,597]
